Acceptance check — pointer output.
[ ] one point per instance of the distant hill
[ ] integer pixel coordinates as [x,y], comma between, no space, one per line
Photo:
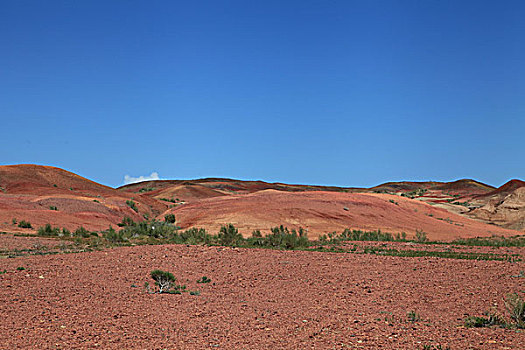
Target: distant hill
[190,190]
[464,187]
[505,206]
[44,194]
[463,208]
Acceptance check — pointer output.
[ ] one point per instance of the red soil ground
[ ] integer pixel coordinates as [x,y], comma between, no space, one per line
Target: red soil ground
[258,299]
[323,212]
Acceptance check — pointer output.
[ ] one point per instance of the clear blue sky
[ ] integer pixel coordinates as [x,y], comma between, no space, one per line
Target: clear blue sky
[350,93]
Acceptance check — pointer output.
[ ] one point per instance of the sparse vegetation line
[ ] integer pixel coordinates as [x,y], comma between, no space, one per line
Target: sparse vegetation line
[167,232]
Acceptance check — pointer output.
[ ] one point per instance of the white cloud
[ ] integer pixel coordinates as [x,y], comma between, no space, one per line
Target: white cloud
[130,179]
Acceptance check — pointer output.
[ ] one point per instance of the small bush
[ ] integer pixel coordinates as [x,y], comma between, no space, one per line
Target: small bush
[515,306]
[256,234]
[81,232]
[154,229]
[168,200]
[132,205]
[204,279]
[66,232]
[421,236]
[146,189]
[126,221]
[195,236]
[492,319]
[169,218]
[113,236]
[48,230]
[494,241]
[229,235]
[475,321]
[24,224]
[165,281]
[196,292]
[52,207]
[20,268]
[413,316]
[14,221]
[280,237]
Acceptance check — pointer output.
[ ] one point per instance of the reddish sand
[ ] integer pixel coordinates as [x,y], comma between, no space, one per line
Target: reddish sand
[322,212]
[258,299]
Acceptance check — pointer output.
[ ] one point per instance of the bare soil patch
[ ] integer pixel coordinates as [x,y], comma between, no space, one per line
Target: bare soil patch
[258,299]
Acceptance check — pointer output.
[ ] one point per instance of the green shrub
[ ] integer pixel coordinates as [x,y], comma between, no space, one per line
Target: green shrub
[168,200]
[170,218]
[165,281]
[66,232]
[146,189]
[195,236]
[204,279]
[154,229]
[81,232]
[24,224]
[281,237]
[421,236]
[475,321]
[358,235]
[132,205]
[256,234]
[229,235]
[413,316]
[48,230]
[52,207]
[113,236]
[494,241]
[126,221]
[20,268]
[515,306]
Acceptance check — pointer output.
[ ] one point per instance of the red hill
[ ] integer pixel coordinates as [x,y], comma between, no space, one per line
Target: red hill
[44,194]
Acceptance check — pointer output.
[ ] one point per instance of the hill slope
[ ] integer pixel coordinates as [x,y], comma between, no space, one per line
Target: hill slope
[322,212]
[504,206]
[32,192]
